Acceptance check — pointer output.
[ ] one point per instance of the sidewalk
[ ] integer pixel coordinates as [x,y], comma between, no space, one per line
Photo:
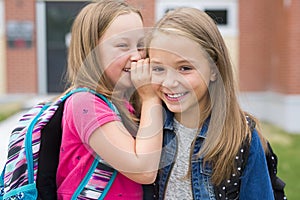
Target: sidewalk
[6,126]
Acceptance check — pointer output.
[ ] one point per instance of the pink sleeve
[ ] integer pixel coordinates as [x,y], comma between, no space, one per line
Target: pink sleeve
[87,112]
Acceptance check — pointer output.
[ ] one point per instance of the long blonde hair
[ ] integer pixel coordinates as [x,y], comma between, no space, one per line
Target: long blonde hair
[228,127]
[84,68]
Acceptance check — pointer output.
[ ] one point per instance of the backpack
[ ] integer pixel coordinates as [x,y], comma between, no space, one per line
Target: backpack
[33,153]
[232,190]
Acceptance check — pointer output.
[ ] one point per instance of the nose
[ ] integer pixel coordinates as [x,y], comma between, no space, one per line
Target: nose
[136,55]
[171,79]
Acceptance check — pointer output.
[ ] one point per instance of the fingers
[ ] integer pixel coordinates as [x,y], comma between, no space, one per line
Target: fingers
[140,70]
[141,66]
[141,79]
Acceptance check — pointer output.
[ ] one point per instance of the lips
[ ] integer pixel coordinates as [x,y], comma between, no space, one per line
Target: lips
[175,96]
[126,69]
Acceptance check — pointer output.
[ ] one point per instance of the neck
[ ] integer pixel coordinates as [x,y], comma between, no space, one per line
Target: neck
[193,117]
[189,120]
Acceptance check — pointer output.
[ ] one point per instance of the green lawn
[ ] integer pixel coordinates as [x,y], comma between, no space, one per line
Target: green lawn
[287,148]
[8,109]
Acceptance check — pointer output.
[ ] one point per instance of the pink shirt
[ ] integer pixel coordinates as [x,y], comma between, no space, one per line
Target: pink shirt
[83,114]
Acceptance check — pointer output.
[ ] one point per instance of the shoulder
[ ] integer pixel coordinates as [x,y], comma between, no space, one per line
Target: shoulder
[253,151]
[254,157]
[256,161]
[255,178]
[256,147]
[84,100]
[84,107]
[84,112]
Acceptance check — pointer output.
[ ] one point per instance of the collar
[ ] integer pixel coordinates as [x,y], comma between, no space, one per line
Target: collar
[168,123]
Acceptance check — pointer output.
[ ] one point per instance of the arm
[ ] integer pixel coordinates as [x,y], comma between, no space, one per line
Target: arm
[138,159]
[255,181]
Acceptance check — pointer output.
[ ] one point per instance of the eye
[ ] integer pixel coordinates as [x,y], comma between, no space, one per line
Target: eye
[157,68]
[185,68]
[122,45]
[140,46]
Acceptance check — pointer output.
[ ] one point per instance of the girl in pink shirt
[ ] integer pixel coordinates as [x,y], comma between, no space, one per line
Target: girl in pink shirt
[106,55]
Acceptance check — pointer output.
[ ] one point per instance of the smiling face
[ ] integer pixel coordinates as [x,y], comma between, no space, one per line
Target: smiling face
[181,73]
[121,44]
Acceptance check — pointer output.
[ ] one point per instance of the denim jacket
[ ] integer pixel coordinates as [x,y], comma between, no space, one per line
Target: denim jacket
[255,182]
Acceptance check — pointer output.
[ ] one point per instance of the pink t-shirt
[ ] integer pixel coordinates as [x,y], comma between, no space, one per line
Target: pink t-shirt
[83,114]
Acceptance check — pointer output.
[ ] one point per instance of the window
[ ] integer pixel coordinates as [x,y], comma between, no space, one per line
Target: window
[223,12]
[219,16]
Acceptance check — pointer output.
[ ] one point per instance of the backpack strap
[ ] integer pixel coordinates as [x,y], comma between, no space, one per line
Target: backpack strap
[277,184]
[272,161]
[51,136]
[108,186]
[28,137]
[28,144]
[97,161]
[88,176]
[50,143]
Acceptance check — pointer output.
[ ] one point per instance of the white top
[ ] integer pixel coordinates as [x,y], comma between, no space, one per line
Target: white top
[179,185]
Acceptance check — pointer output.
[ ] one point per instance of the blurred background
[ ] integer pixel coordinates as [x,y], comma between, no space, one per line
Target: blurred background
[263,38]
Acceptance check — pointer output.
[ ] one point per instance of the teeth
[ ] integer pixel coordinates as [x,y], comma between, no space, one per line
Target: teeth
[127,69]
[175,95]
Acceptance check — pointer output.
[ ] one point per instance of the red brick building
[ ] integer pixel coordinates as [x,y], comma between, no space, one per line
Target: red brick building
[263,38]
[35,59]
[269,61]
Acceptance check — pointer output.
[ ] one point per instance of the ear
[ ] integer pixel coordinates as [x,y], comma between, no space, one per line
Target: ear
[213,75]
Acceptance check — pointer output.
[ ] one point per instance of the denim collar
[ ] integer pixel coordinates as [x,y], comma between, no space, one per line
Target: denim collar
[168,119]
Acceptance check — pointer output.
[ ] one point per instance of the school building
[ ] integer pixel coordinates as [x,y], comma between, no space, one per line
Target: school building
[263,38]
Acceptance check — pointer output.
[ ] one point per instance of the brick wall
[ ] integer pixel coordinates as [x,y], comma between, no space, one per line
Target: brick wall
[21,62]
[269,46]
[147,7]
[292,73]
[2,50]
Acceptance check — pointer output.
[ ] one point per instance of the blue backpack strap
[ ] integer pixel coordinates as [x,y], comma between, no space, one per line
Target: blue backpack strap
[111,106]
[109,184]
[87,178]
[97,159]
[28,142]
[28,145]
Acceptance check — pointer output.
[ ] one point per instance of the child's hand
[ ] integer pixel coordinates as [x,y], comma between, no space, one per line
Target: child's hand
[141,78]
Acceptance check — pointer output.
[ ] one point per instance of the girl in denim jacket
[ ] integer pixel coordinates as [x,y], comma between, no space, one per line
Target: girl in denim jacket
[205,127]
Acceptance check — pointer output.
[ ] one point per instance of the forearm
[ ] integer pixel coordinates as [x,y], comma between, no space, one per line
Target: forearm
[149,135]
[115,145]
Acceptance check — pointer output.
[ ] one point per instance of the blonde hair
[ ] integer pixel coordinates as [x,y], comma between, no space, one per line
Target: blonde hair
[84,68]
[228,127]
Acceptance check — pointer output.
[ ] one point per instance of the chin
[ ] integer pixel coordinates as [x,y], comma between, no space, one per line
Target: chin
[174,109]
[122,87]
[124,84]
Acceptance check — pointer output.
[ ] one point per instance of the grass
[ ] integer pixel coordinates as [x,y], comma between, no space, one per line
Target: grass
[9,109]
[287,147]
